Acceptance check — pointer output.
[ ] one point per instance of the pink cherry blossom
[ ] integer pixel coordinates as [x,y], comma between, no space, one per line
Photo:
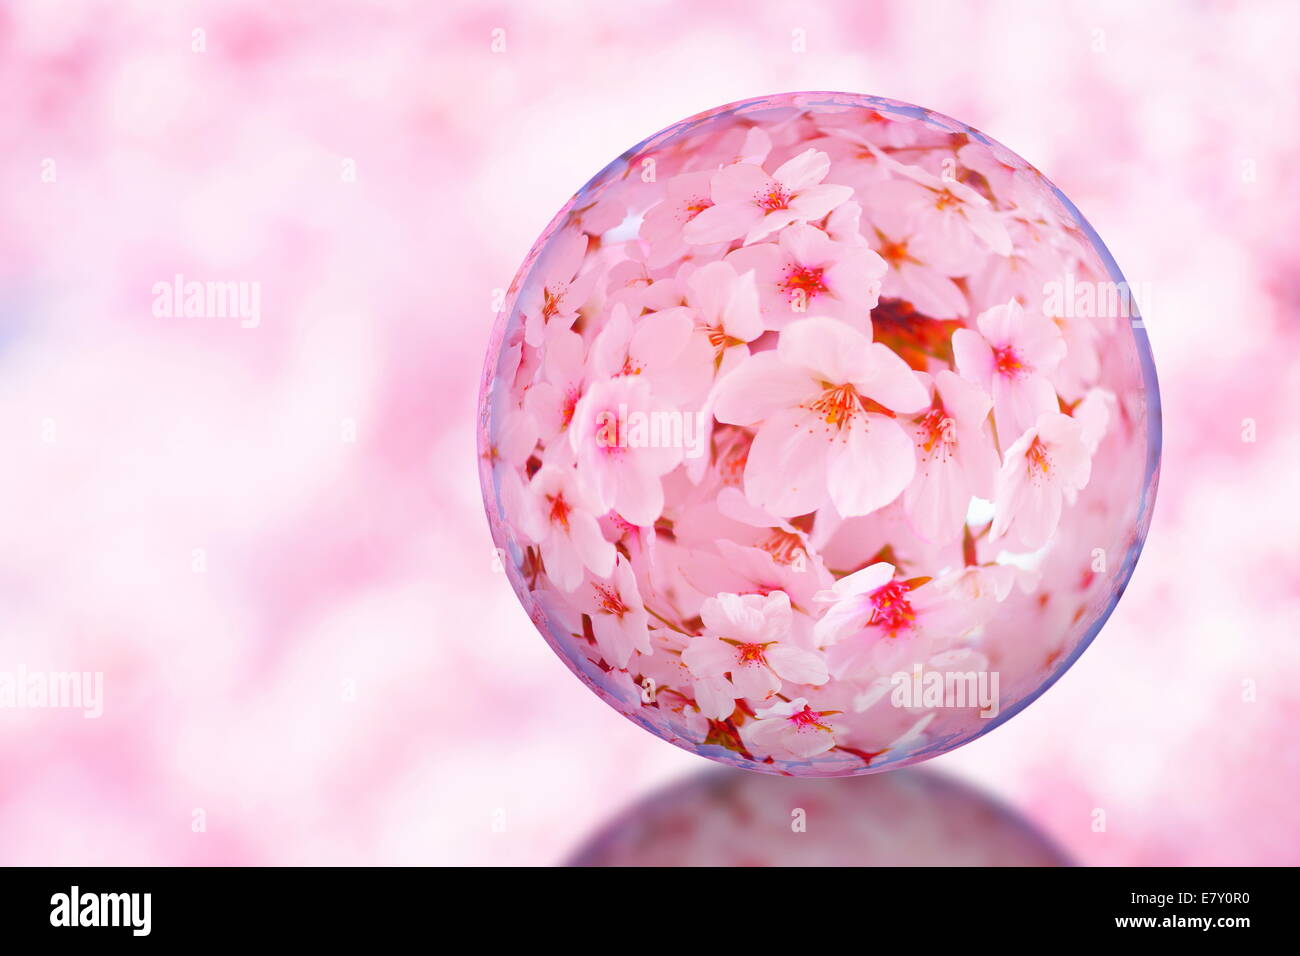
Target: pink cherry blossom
[661,348]
[748,638]
[726,310]
[1045,467]
[749,203]
[914,278]
[824,402]
[552,400]
[805,272]
[562,522]
[956,458]
[687,196]
[948,223]
[619,620]
[621,466]
[1012,357]
[877,621]
[633,284]
[793,728]
[558,287]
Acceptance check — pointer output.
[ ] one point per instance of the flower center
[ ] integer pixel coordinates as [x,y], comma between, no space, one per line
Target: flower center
[775,197]
[807,719]
[783,546]
[610,601]
[1007,362]
[837,405]
[946,200]
[804,281]
[731,464]
[937,428]
[1038,457]
[891,611]
[895,253]
[571,396]
[551,303]
[559,510]
[697,205]
[750,654]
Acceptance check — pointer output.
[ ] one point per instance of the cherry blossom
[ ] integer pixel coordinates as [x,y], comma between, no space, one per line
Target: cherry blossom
[660,347]
[687,196]
[558,288]
[621,466]
[561,520]
[950,225]
[956,458]
[825,403]
[748,202]
[619,620]
[914,278]
[1012,357]
[870,602]
[805,272]
[748,638]
[552,400]
[726,310]
[794,728]
[1045,467]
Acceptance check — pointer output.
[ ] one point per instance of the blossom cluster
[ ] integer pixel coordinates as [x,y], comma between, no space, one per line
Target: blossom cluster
[787,403]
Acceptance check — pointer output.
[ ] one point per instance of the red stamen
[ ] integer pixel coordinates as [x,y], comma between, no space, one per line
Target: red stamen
[610,601]
[891,611]
[1008,362]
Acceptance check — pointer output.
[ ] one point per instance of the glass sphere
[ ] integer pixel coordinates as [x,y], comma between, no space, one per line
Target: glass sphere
[819,434]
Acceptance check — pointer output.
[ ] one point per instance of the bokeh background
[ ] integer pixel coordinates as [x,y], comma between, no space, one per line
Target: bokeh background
[270,540]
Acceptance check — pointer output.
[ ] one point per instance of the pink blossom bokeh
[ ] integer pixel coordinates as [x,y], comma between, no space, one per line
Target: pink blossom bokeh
[270,539]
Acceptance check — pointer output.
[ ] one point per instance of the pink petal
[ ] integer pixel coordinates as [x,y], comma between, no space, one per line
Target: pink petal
[817,202]
[740,183]
[786,471]
[808,245]
[755,681]
[714,698]
[709,657]
[759,387]
[721,223]
[774,221]
[974,357]
[590,545]
[872,468]
[807,169]
[871,578]
[710,288]
[661,336]
[963,400]
[742,318]
[829,349]
[892,382]
[797,666]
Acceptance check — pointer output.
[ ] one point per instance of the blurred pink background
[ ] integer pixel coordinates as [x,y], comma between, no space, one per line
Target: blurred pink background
[270,539]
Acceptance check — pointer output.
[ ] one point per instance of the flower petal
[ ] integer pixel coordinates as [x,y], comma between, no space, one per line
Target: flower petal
[872,467]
